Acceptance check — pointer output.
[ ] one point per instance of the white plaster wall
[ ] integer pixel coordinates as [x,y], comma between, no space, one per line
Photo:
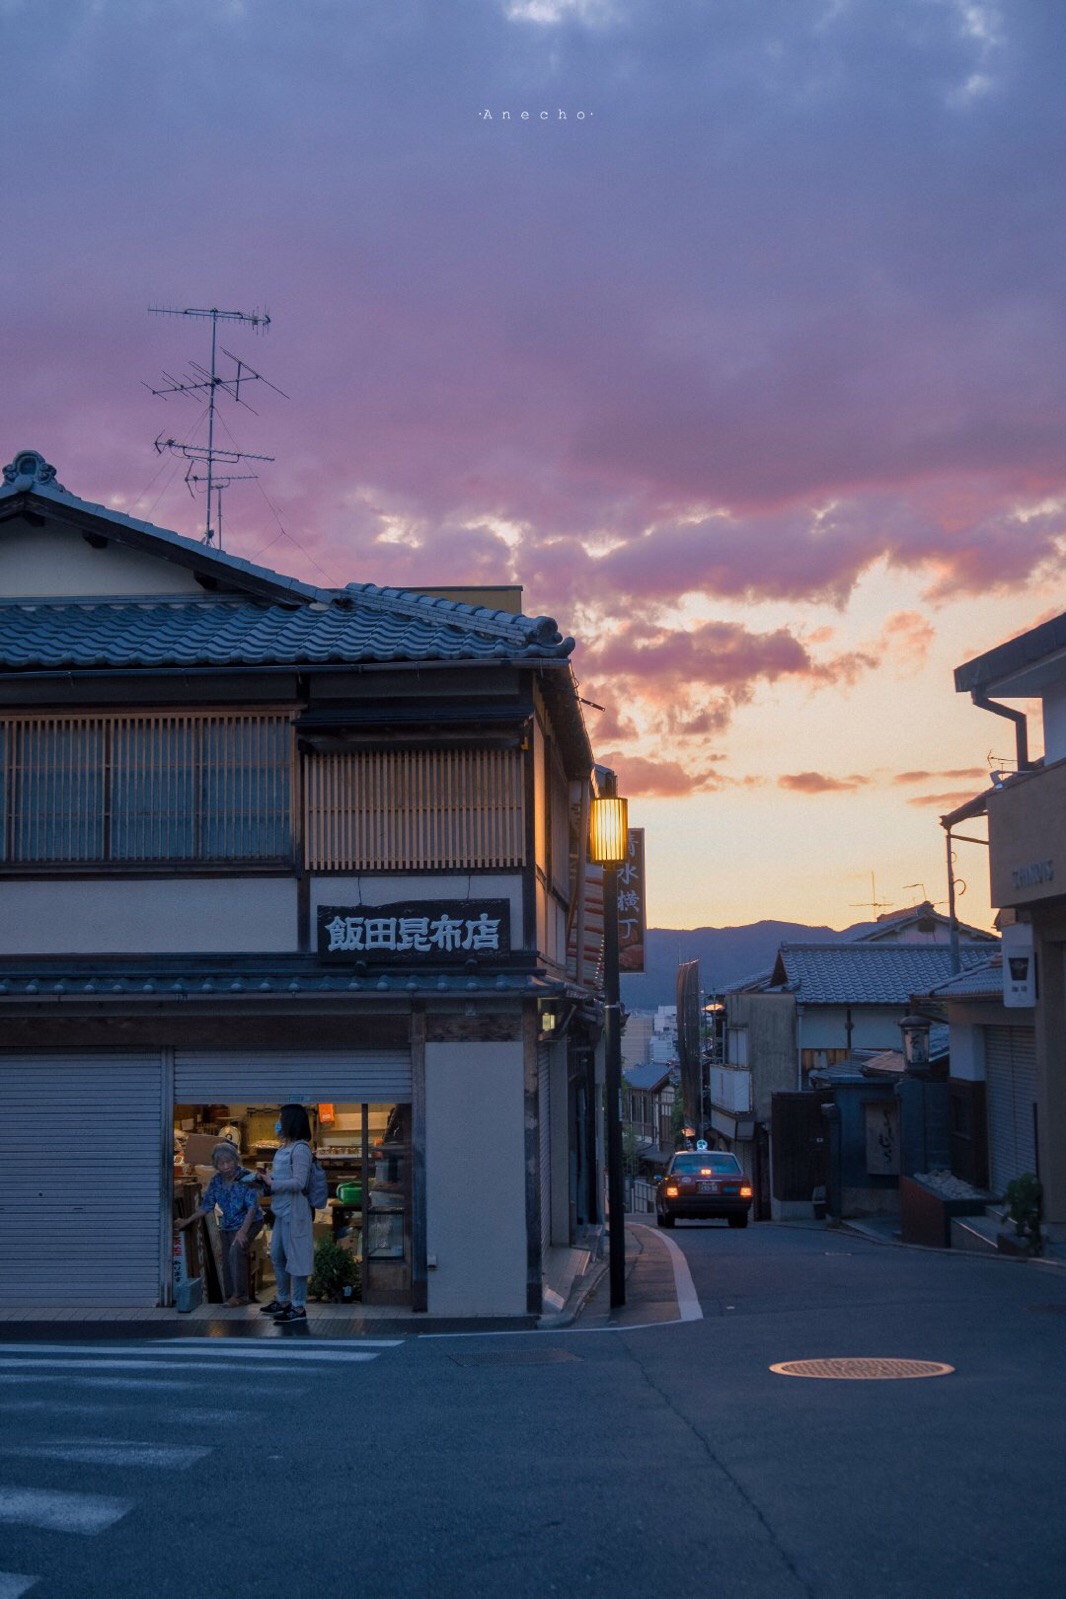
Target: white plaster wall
[393,889]
[147,916]
[873,1027]
[476,1179]
[560,1145]
[968,1051]
[56,562]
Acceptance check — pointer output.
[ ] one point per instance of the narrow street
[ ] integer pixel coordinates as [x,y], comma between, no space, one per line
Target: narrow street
[586,1461]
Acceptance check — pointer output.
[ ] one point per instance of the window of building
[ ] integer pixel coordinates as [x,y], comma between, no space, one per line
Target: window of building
[411,810]
[196,787]
[737,1046]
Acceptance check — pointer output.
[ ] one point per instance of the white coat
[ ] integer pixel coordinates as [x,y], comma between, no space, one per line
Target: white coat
[290,1172]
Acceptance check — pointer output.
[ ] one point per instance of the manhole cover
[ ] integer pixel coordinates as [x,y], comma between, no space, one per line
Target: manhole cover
[845,1370]
[516,1357]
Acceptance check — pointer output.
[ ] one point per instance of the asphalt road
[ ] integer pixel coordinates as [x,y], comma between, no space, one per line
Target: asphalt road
[585,1462]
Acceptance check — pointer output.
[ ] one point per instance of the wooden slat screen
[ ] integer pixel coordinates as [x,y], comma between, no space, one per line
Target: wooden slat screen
[414,810]
[185,786]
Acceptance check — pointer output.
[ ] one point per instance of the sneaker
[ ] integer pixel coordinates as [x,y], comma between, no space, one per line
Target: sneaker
[274,1306]
[235,1301]
[291,1313]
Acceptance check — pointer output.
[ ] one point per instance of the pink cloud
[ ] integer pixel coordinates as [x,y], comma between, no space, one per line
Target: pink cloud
[819,783]
[640,775]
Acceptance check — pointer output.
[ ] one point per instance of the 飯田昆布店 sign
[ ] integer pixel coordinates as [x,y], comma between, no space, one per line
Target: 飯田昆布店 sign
[425,931]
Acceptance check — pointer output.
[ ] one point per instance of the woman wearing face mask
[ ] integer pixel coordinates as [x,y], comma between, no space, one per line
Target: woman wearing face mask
[292,1244]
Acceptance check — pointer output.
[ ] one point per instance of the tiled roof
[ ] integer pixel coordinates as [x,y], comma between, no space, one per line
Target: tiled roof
[868,974]
[230,632]
[980,982]
[241,979]
[257,617]
[646,1077]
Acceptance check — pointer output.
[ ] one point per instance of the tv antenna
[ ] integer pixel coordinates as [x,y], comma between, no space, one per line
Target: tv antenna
[873,903]
[201,380]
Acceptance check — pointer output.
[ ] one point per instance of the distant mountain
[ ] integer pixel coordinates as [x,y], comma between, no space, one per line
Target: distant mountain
[726,955]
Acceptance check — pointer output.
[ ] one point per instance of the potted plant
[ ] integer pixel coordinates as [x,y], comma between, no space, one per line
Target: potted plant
[1024,1197]
[336,1274]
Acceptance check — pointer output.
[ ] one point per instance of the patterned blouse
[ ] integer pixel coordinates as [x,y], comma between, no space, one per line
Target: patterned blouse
[234,1200]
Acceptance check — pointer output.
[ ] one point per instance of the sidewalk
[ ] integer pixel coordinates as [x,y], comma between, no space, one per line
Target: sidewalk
[651,1285]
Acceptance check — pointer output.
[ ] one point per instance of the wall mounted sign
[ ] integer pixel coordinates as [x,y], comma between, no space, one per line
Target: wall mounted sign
[1019,966]
[631,918]
[416,932]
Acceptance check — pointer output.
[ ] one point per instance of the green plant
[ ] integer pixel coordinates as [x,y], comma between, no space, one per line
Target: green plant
[1024,1196]
[335,1269]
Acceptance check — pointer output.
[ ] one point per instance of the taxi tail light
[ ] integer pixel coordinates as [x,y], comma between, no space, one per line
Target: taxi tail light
[672,1191]
[745,1192]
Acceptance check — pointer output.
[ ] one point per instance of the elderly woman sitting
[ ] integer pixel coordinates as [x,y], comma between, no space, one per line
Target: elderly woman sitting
[241,1219]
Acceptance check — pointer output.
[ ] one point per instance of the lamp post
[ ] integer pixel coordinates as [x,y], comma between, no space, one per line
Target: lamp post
[915,1030]
[608,847]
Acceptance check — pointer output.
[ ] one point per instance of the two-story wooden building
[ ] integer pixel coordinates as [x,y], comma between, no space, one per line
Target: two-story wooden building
[265,842]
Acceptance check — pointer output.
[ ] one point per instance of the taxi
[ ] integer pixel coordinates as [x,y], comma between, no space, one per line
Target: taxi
[703,1184]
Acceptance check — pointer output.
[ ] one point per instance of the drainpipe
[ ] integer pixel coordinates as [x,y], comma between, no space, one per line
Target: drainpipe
[1021,728]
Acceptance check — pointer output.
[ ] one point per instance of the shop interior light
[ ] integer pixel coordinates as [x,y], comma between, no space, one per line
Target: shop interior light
[609,830]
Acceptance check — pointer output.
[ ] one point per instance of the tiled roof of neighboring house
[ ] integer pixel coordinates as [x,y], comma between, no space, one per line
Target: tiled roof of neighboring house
[648,1077]
[983,981]
[867,974]
[257,617]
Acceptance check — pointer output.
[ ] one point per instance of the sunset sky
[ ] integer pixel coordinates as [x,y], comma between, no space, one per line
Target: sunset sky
[750,367]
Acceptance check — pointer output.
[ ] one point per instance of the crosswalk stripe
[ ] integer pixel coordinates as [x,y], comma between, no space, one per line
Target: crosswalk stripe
[252,1346]
[30,1363]
[153,1384]
[12,1584]
[187,1416]
[111,1452]
[56,1511]
[272,1352]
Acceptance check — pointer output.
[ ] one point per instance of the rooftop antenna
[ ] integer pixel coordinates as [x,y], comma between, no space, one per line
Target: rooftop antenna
[873,903]
[203,379]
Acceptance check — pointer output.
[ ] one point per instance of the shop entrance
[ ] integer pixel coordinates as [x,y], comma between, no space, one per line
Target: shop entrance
[359,1106]
[365,1152]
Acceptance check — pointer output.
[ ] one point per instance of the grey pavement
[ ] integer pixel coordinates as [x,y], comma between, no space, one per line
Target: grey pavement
[619,1457]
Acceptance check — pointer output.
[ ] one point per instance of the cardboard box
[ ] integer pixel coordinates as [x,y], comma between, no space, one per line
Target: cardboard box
[199,1147]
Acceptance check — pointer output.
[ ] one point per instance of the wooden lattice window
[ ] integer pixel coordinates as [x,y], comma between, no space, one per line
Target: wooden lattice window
[414,810]
[129,789]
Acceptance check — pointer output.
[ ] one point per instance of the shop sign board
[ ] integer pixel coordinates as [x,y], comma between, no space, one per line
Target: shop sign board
[631,916]
[1019,966]
[415,932]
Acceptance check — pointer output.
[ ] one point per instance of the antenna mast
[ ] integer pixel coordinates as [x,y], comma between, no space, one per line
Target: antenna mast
[207,380]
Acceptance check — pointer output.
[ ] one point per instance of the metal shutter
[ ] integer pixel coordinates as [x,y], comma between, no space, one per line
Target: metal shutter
[289,1076]
[82,1138]
[544,1060]
[1010,1066]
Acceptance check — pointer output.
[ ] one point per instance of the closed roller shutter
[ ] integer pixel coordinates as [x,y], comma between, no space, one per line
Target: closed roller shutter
[1010,1066]
[287,1076]
[81,1178]
[544,1060]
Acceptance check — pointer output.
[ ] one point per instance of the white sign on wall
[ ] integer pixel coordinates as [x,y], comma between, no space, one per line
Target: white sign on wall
[1019,966]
